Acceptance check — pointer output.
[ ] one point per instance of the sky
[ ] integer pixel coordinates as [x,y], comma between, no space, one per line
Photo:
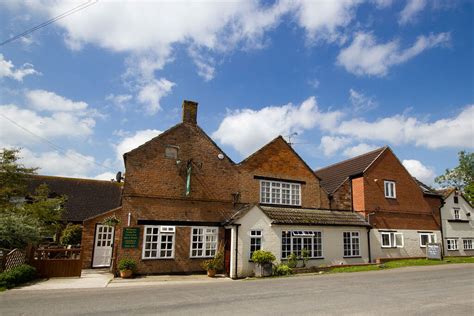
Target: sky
[335,78]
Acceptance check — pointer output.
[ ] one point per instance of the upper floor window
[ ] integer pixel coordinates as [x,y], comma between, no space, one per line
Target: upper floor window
[392,240]
[427,238]
[456,213]
[276,192]
[390,191]
[171,152]
[456,199]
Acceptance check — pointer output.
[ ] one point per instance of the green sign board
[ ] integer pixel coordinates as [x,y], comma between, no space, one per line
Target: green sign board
[130,237]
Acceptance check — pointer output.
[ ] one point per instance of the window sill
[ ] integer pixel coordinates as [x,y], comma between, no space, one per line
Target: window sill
[391,198]
[149,259]
[201,257]
[458,220]
[352,257]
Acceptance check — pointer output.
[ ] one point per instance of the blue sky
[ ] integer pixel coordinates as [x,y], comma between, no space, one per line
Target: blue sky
[347,76]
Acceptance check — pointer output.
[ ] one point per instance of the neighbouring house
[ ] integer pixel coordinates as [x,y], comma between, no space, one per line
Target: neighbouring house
[84,197]
[403,213]
[183,197]
[457,224]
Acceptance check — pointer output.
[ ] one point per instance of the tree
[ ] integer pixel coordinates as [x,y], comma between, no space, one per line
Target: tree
[24,217]
[461,176]
[71,235]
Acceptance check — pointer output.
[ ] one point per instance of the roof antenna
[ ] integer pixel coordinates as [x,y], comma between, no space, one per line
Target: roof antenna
[290,136]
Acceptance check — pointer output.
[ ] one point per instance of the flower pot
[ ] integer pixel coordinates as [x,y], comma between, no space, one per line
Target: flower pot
[125,274]
[211,273]
[263,270]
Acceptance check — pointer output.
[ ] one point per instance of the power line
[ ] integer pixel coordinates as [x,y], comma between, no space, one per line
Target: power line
[57,147]
[56,18]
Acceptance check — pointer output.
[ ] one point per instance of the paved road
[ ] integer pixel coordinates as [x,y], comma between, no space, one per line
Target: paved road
[435,290]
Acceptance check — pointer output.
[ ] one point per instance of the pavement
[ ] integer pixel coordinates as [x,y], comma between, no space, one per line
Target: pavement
[424,290]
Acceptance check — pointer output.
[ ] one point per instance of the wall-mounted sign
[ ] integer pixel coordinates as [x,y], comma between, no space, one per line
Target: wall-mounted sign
[130,237]
[433,251]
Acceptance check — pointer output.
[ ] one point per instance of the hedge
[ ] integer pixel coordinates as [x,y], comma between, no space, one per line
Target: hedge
[17,276]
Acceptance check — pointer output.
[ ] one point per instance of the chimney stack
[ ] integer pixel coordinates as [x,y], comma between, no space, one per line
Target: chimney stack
[190,112]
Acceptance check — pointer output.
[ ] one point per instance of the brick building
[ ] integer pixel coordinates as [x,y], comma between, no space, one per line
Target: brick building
[403,212]
[183,196]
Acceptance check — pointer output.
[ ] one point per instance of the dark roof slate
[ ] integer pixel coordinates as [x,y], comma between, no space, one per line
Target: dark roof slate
[85,197]
[305,216]
[426,188]
[333,176]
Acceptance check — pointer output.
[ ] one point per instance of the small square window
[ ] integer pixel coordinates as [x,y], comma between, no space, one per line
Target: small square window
[171,152]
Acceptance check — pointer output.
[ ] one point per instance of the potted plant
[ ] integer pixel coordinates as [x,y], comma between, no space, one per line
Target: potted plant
[126,267]
[263,263]
[215,264]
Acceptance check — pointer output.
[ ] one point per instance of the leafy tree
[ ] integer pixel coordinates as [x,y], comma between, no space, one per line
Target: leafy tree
[461,176]
[71,235]
[24,217]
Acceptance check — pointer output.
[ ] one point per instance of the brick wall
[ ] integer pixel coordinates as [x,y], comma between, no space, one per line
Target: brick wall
[342,197]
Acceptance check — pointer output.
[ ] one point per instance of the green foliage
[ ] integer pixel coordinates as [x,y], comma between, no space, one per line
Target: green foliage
[71,235]
[282,269]
[216,263]
[111,221]
[305,256]
[127,264]
[461,176]
[24,218]
[292,260]
[262,257]
[17,276]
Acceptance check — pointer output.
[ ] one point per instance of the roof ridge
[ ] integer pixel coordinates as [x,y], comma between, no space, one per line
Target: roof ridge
[70,178]
[347,160]
[260,149]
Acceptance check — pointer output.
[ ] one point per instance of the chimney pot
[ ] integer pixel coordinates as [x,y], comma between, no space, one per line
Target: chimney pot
[190,112]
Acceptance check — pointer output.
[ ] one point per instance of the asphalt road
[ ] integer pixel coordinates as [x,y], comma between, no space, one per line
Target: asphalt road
[435,290]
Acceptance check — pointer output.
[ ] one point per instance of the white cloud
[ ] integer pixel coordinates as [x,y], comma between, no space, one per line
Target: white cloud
[8,70]
[105,176]
[314,83]
[332,144]
[42,100]
[119,100]
[358,150]
[69,164]
[418,170]
[128,143]
[361,102]
[204,65]
[454,132]
[55,125]
[381,4]
[364,56]
[246,130]
[151,93]
[411,10]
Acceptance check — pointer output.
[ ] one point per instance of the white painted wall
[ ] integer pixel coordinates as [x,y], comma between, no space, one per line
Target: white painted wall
[411,246]
[332,241]
[458,230]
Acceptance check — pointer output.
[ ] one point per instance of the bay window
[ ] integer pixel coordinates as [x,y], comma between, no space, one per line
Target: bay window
[296,241]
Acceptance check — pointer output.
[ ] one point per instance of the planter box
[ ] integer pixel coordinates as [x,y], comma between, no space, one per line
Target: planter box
[263,270]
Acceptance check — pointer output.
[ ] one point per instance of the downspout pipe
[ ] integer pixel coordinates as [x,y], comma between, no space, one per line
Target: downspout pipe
[368,236]
[236,250]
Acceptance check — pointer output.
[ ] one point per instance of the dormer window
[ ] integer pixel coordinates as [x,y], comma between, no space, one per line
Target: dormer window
[390,191]
[278,192]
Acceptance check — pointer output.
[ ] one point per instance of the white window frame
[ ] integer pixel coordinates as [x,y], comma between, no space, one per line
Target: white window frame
[255,234]
[390,189]
[161,231]
[469,242]
[456,214]
[298,234]
[353,235]
[452,244]
[272,192]
[431,238]
[392,237]
[206,242]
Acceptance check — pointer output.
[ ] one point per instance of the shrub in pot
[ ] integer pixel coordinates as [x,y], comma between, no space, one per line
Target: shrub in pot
[126,267]
[215,264]
[263,263]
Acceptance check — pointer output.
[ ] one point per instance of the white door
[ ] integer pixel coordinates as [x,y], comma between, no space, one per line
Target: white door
[104,239]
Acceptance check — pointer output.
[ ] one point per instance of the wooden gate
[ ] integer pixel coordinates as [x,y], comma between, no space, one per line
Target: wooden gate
[57,262]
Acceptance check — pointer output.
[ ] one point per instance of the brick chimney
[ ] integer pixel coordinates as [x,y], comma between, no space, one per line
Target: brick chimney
[190,112]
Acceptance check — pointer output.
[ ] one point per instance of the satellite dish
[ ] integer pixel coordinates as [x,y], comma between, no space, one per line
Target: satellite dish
[220,156]
[118,177]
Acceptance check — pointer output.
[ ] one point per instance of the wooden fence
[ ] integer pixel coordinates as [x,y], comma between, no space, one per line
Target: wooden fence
[11,259]
[56,262]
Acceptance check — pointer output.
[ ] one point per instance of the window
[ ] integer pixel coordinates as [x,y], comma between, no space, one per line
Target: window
[467,244]
[390,191]
[427,238]
[456,213]
[452,244]
[392,240]
[351,244]
[255,241]
[203,242]
[171,152]
[296,241]
[456,199]
[273,192]
[158,242]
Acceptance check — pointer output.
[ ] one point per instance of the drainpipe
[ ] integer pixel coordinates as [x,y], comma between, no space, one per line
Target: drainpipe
[236,250]
[368,236]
